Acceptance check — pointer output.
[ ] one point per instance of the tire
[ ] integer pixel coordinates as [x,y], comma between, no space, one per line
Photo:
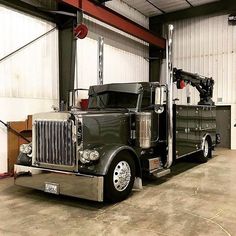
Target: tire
[116,187]
[206,153]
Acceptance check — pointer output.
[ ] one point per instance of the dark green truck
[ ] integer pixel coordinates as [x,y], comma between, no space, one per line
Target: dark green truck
[101,153]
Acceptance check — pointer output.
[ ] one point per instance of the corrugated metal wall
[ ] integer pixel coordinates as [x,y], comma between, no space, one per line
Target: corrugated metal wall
[124,55]
[33,71]
[122,66]
[207,45]
[119,65]
[29,78]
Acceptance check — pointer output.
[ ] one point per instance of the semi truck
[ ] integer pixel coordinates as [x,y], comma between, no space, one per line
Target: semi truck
[129,131]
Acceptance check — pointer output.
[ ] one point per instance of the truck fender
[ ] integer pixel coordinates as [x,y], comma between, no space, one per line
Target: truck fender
[205,136]
[108,153]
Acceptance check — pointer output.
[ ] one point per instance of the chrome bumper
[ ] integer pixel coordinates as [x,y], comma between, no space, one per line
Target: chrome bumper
[71,184]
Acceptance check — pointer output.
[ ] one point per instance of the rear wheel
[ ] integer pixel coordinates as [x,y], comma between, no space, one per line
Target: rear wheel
[120,178]
[206,152]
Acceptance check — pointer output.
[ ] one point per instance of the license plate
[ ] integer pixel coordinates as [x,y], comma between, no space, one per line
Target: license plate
[51,188]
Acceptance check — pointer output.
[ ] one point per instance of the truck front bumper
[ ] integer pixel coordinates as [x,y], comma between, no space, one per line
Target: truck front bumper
[59,182]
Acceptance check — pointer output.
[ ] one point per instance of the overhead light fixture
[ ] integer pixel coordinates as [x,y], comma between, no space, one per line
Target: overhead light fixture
[232,19]
[100,1]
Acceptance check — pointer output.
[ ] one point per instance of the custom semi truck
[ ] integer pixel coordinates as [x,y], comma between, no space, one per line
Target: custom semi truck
[129,131]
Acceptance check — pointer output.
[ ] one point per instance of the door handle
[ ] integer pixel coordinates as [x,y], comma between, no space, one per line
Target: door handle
[234,125]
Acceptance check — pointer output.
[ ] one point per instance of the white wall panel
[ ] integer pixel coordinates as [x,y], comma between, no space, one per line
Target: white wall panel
[86,70]
[206,45]
[119,65]
[123,67]
[29,78]
[33,71]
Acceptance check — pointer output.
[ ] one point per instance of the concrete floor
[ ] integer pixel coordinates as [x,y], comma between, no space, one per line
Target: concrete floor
[194,200]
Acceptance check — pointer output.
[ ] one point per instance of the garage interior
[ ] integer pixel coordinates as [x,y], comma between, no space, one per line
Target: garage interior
[49,48]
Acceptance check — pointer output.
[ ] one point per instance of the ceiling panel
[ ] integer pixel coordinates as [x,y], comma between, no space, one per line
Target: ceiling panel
[171,5]
[144,7]
[148,9]
[200,2]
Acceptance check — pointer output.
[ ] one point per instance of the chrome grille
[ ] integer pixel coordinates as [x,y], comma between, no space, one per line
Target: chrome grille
[54,142]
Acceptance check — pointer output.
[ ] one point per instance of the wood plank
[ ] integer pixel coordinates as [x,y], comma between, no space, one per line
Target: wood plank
[14,141]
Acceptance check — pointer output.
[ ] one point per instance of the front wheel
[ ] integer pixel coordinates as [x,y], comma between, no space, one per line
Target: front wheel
[120,178]
[206,152]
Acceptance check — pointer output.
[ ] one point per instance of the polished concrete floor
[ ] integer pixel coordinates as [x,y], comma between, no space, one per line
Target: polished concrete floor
[194,200]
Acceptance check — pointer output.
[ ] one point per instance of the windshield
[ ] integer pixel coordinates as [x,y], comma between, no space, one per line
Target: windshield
[113,100]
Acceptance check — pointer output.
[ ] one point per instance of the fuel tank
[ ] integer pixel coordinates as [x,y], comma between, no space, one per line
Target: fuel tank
[144,129]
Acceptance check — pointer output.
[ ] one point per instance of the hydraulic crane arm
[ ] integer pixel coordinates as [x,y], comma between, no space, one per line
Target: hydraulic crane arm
[203,84]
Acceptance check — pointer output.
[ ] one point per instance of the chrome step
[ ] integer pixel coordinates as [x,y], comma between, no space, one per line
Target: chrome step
[160,173]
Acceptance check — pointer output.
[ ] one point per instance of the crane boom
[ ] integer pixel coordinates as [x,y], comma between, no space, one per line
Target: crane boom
[203,84]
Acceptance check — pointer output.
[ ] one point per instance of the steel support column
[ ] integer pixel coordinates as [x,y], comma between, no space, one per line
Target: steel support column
[156,56]
[67,55]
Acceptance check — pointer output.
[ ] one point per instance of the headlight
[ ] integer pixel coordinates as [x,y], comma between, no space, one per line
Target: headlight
[26,148]
[84,161]
[86,154]
[89,155]
[94,155]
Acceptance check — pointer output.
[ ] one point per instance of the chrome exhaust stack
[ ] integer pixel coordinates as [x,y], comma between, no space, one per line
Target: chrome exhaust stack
[169,82]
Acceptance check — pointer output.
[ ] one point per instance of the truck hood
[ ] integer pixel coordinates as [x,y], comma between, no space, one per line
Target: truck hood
[67,114]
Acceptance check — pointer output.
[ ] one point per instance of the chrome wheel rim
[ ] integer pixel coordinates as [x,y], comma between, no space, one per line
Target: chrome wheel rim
[121,176]
[206,149]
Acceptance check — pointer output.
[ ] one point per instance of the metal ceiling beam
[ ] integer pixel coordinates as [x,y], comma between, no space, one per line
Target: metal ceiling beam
[227,6]
[189,3]
[116,20]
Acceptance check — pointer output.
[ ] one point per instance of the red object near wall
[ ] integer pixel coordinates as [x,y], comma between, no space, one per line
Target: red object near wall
[182,84]
[84,104]
[80,31]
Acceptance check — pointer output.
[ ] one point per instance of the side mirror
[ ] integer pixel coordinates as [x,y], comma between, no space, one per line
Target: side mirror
[159,95]
[159,99]
[71,98]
